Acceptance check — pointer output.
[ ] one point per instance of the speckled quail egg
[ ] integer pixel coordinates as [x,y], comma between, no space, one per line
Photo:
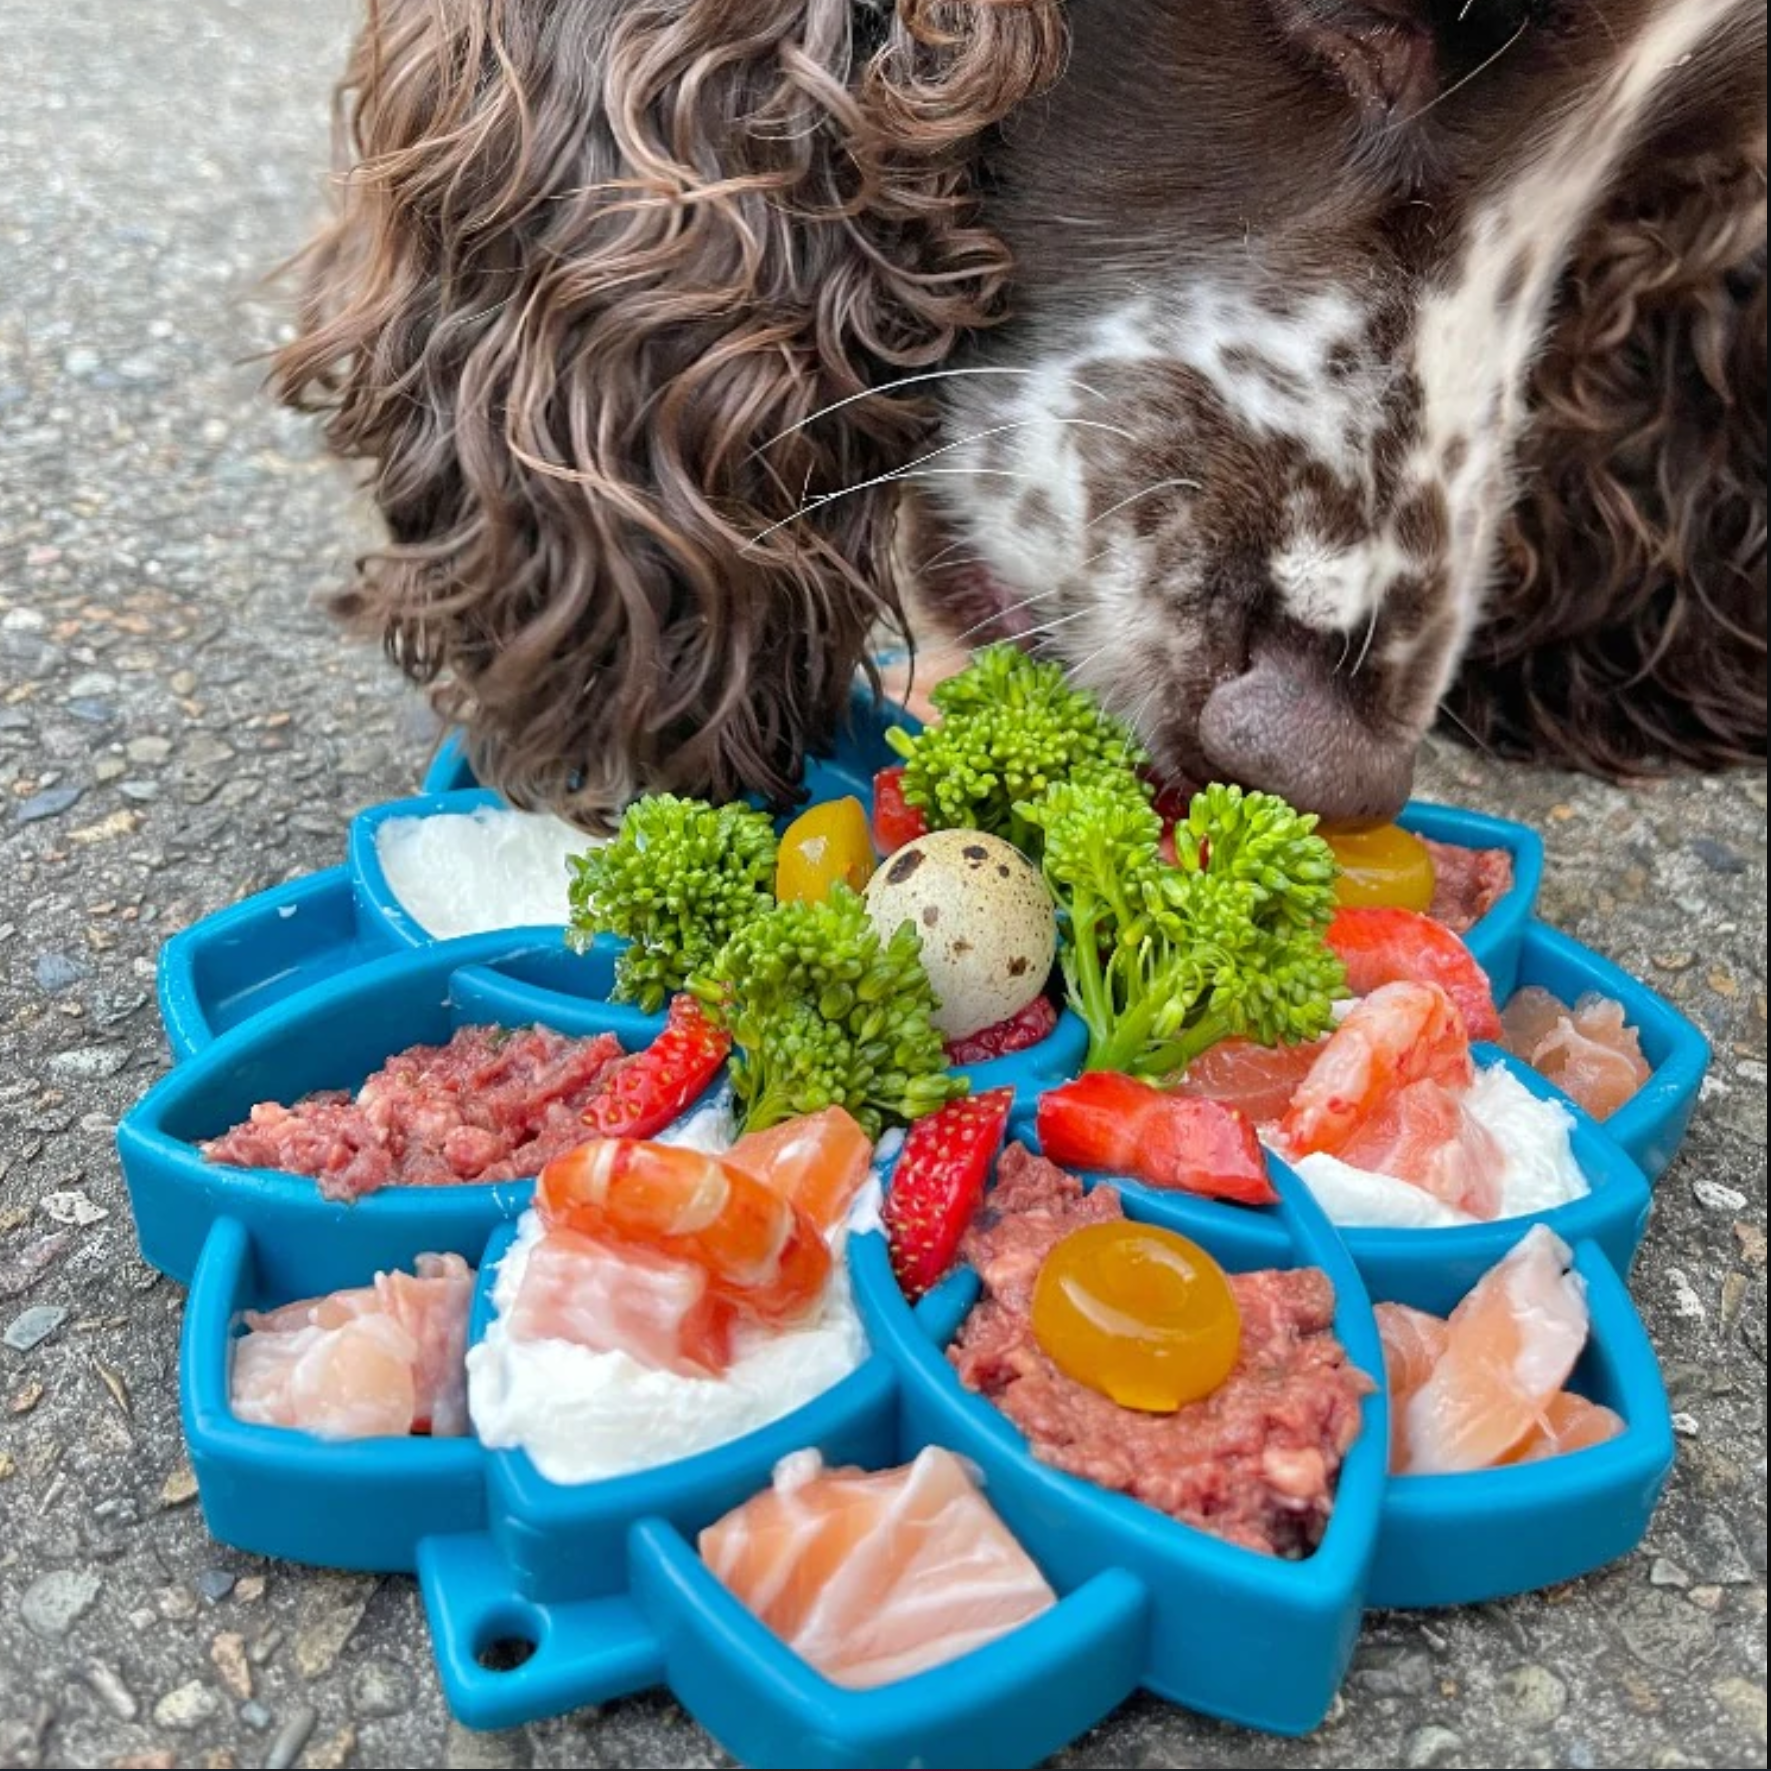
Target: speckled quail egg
[989,931]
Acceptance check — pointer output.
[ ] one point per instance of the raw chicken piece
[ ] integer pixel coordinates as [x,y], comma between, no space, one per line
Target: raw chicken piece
[1400,1034]
[660,1312]
[874,1578]
[378,1361]
[1570,1423]
[355,1381]
[1259,1080]
[1513,1342]
[1427,1136]
[1588,1051]
[1414,1343]
[821,1163]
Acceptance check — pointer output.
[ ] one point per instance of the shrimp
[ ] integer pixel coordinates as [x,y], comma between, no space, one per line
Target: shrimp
[1400,1035]
[758,1248]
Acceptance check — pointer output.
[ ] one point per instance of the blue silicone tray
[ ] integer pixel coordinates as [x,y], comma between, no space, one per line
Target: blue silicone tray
[316,984]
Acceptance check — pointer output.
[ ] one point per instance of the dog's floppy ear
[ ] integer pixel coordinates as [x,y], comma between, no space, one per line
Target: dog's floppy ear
[1627,630]
[607,288]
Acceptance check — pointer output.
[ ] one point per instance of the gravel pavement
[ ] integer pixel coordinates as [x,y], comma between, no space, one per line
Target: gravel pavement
[178,728]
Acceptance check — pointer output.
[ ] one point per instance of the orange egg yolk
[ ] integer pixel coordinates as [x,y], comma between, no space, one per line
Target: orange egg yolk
[1140,1314]
[831,845]
[1387,868]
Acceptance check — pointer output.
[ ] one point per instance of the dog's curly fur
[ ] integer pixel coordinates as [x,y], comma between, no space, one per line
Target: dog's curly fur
[1628,629]
[610,298]
[587,260]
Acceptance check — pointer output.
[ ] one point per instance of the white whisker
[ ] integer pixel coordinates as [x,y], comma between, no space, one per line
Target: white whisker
[892,387]
[1370,638]
[1136,497]
[907,472]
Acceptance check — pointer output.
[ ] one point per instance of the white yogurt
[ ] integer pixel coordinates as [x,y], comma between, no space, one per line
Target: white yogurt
[584,1416]
[473,873]
[1541,1172]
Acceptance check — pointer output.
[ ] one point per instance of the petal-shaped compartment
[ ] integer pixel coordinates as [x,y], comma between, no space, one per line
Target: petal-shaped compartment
[256,955]
[1496,939]
[1233,1634]
[561,1543]
[1466,1539]
[364,1504]
[333,1036]
[1440,1265]
[380,895]
[1653,1124]
[1012,1703]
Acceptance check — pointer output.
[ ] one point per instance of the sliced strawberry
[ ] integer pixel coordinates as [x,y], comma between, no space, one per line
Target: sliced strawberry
[649,1092]
[895,820]
[1037,1021]
[939,1185]
[1116,1125]
[1385,946]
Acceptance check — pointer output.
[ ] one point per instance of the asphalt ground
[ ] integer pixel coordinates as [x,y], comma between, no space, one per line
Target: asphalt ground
[179,727]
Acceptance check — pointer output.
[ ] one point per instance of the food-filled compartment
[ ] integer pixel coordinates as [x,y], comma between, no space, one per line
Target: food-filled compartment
[780,1583]
[251,958]
[327,1429]
[1471,845]
[1557,1470]
[1441,1264]
[1256,1627]
[447,865]
[303,1125]
[1615,1046]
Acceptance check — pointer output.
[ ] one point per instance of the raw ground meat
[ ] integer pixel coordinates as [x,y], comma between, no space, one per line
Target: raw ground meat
[1256,1463]
[490,1106]
[1470,883]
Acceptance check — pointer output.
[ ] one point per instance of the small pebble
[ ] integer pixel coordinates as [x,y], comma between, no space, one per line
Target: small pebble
[1432,1746]
[286,1744]
[73,1209]
[1674,962]
[32,1327]
[215,1584]
[228,1652]
[190,1706]
[180,1488]
[41,807]
[380,1688]
[148,753]
[56,972]
[1533,1696]
[1666,1573]
[1717,856]
[53,1603]
[249,1590]
[89,1063]
[112,1692]
[142,792]
[255,1716]
[1714,1196]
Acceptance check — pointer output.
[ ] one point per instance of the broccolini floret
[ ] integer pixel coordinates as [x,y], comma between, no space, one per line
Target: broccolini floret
[825,1013]
[1163,962]
[1010,728]
[678,881]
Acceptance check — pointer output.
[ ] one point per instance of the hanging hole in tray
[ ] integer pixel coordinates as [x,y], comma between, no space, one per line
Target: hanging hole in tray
[508,1640]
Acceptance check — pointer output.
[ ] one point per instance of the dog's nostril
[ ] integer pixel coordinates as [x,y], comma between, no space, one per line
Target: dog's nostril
[1283,727]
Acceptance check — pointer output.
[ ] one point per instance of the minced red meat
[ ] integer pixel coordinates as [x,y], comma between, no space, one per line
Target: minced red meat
[1470,883]
[1256,1463]
[489,1106]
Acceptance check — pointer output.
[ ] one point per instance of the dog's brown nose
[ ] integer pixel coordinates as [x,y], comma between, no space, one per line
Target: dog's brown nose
[1288,727]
